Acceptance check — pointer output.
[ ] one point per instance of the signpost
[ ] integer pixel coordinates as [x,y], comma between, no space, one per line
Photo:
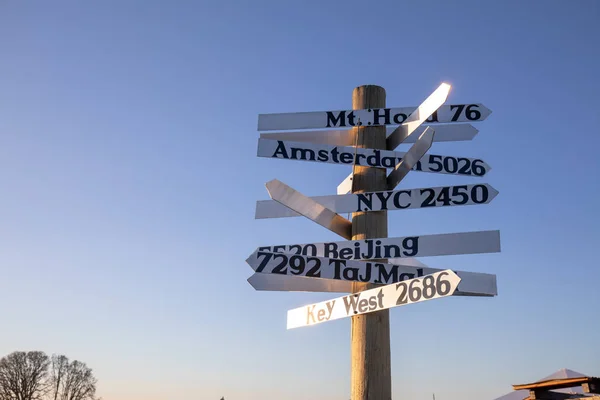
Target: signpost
[377,273]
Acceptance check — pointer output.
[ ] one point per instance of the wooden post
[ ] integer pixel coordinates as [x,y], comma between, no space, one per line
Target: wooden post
[370,376]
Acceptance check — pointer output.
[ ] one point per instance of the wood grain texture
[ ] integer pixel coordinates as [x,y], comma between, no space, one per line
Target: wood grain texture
[370,333]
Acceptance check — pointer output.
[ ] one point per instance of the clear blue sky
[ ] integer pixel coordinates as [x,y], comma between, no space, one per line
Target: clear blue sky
[129,175]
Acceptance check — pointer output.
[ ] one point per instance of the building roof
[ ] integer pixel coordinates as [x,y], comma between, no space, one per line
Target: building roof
[522,394]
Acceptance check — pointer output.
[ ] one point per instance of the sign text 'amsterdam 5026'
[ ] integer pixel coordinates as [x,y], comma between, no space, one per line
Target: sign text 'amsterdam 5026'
[342,155]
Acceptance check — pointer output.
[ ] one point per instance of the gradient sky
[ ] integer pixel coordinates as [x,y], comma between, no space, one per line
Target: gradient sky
[129,177]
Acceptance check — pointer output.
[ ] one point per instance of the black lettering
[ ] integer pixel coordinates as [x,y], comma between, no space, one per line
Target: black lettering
[350,273]
[340,119]
[312,247]
[330,250]
[411,244]
[386,276]
[397,198]
[369,254]
[303,153]
[387,251]
[337,266]
[280,150]
[389,162]
[323,155]
[383,199]
[433,117]
[367,275]
[358,156]
[378,249]
[367,199]
[295,246]
[377,116]
[346,158]
[399,118]
[346,253]
[459,108]
[351,119]
[373,160]
[334,154]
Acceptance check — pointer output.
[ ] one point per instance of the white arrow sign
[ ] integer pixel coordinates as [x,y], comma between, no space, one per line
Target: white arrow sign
[472,283]
[341,155]
[309,208]
[347,137]
[373,117]
[408,246]
[440,196]
[420,115]
[434,286]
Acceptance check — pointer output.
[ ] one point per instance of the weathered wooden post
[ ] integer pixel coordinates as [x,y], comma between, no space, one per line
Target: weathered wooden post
[370,336]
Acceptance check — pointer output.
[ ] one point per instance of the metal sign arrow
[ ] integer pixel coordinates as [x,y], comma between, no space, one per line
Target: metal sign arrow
[414,120]
[347,137]
[424,111]
[410,159]
[405,199]
[434,286]
[291,265]
[309,208]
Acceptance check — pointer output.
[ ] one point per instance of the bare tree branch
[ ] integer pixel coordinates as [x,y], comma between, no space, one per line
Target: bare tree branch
[23,375]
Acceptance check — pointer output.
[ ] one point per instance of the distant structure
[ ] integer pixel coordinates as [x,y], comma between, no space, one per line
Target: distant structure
[564,384]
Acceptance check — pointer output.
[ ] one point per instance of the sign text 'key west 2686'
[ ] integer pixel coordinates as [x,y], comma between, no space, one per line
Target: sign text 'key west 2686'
[436,285]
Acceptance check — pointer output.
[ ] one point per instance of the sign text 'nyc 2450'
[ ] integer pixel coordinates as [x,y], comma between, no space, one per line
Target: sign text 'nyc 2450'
[441,196]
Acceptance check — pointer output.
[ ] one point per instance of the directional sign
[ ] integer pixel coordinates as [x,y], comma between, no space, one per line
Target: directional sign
[309,208]
[286,283]
[472,283]
[434,286]
[408,246]
[374,117]
[368,157]
[420,115]
[440,196]
[347,137]
[411,158]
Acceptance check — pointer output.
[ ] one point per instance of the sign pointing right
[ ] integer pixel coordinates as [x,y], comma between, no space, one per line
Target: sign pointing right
[429,287]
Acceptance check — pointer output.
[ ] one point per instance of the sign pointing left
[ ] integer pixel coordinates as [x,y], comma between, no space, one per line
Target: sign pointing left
[309,208]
